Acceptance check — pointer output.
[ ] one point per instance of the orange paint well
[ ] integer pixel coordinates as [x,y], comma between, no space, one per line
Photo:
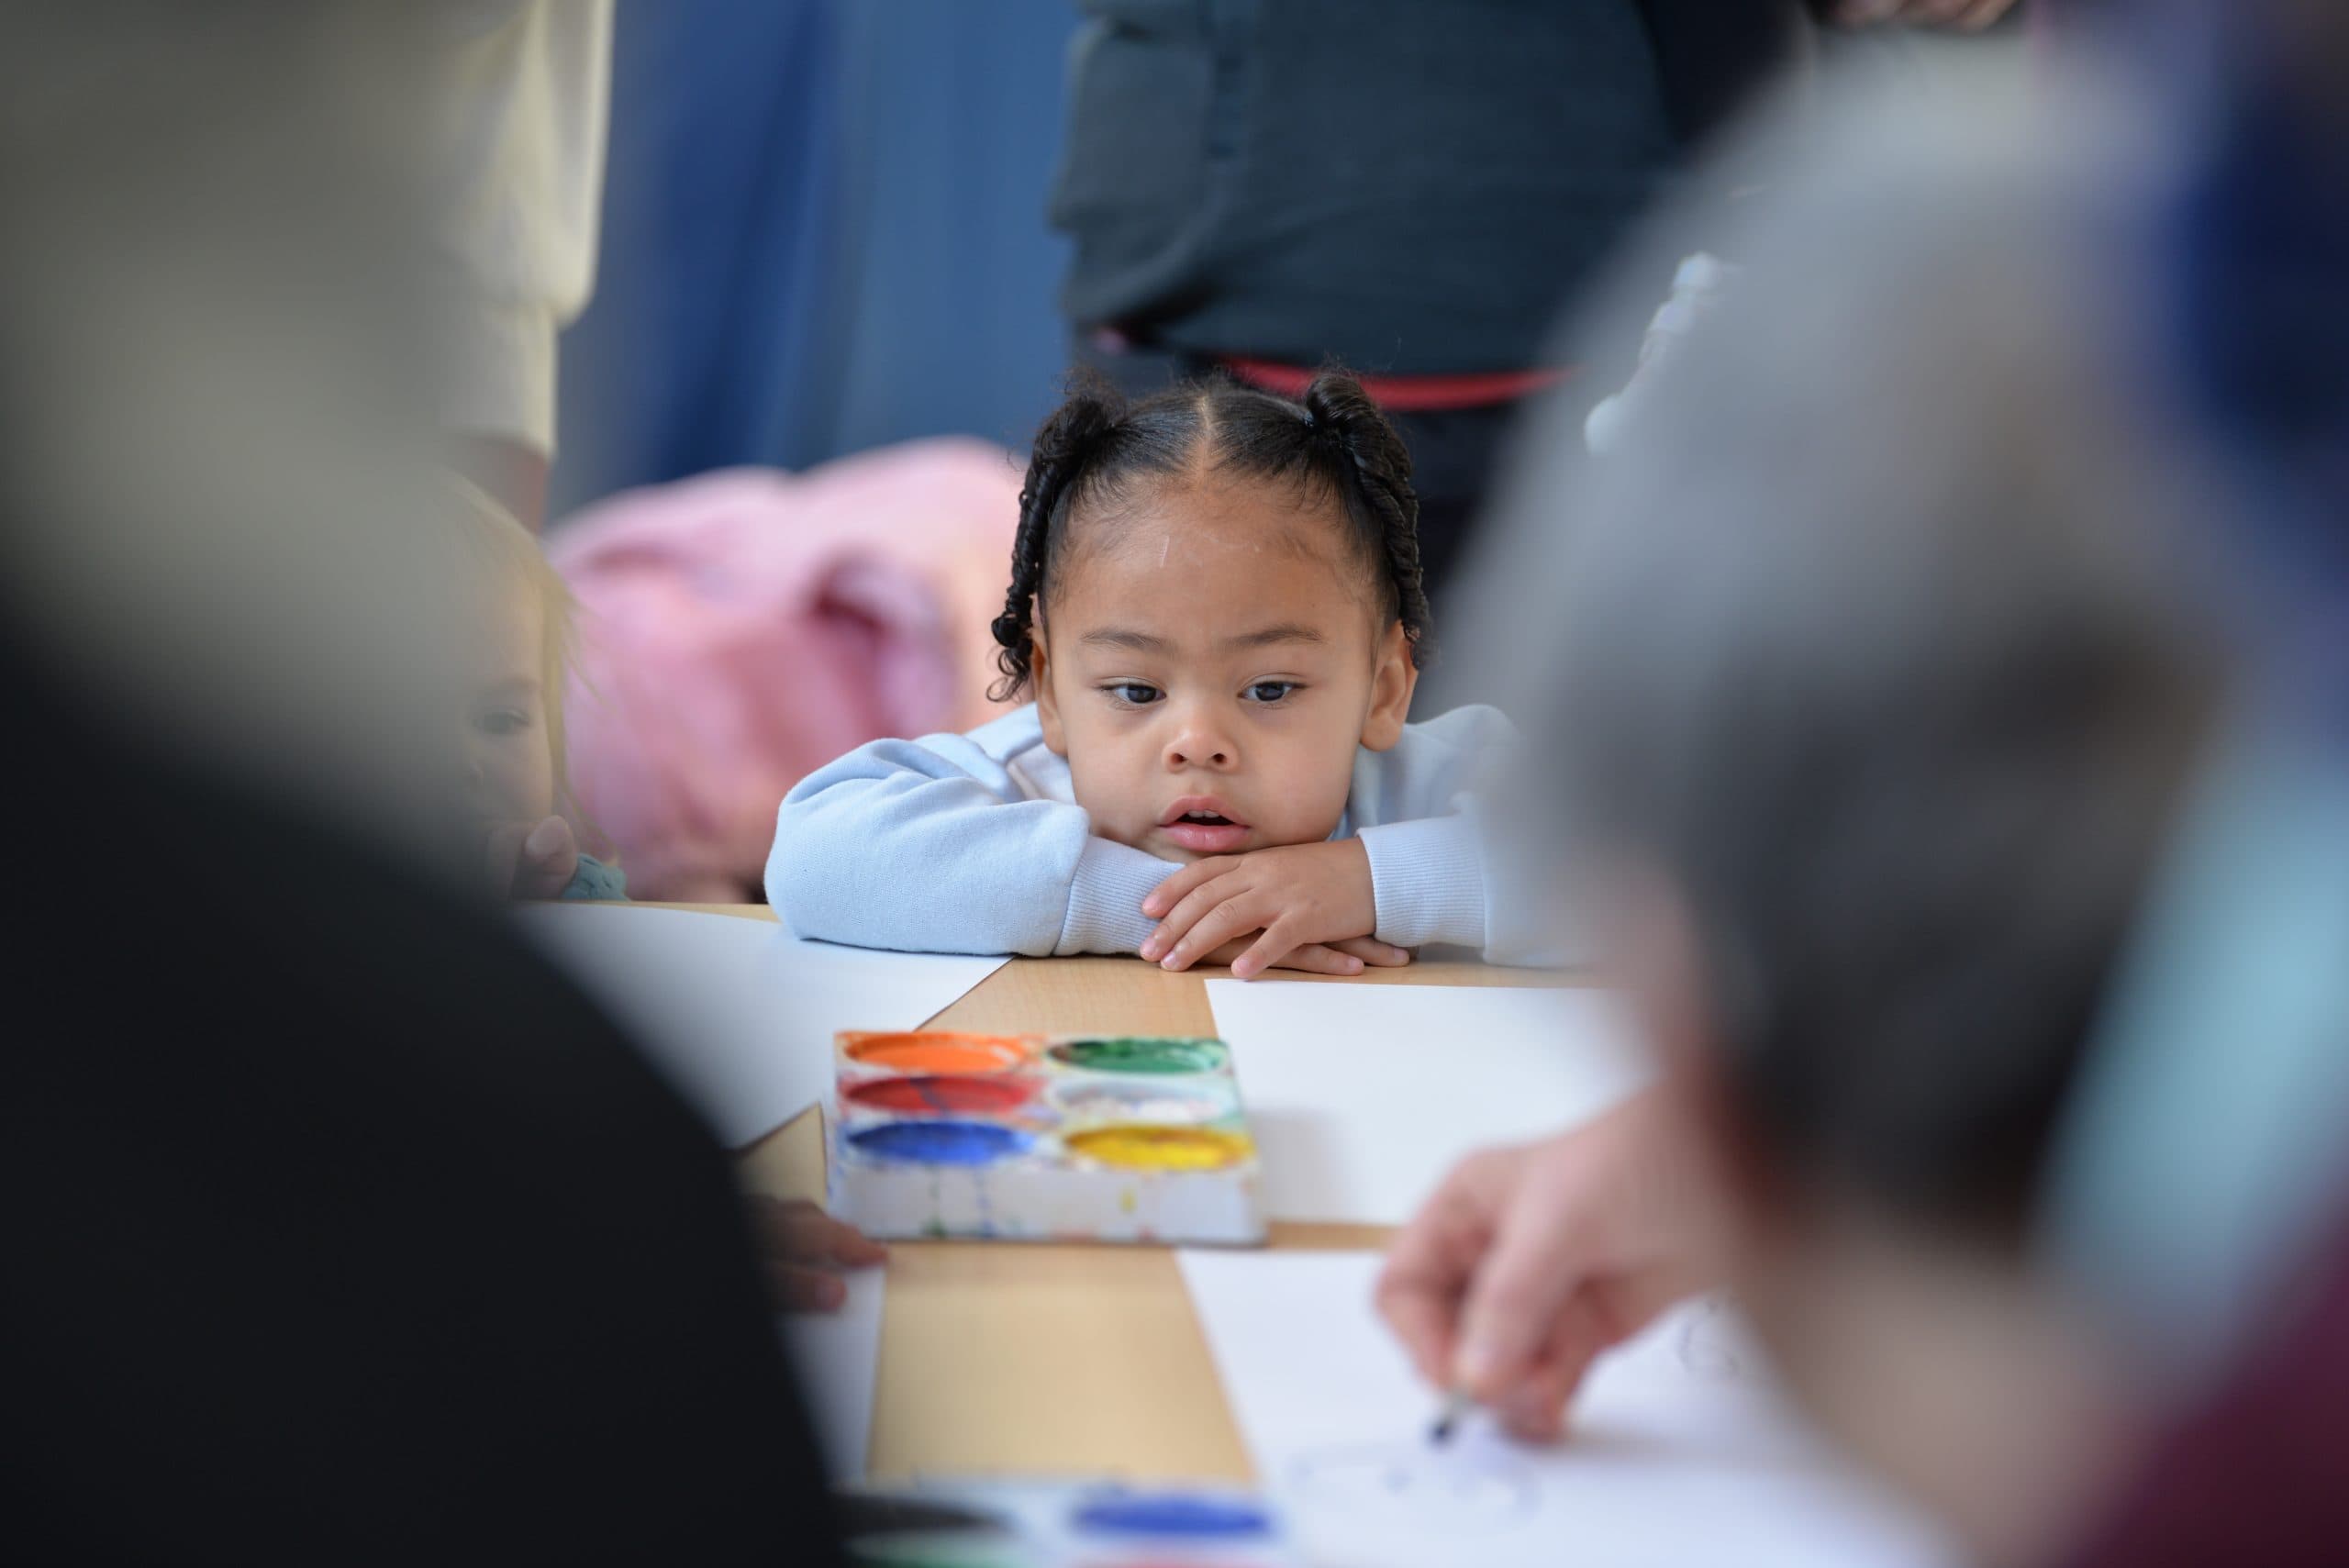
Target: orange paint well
[937,1053]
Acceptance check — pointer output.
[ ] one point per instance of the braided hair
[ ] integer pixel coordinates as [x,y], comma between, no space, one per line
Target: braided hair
[1095,447]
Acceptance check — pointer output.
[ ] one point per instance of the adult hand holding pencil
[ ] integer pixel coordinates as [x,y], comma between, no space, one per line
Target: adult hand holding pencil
[1531,1261]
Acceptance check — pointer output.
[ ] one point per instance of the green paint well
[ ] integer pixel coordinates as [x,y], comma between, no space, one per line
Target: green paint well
[1141,1053]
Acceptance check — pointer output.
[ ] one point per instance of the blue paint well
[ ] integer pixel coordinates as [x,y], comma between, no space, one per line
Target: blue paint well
[940,1142]
[1173,1514]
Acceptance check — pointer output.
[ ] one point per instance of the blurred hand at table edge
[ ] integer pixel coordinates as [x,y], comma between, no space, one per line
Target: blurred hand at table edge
[530,860]
[1532,1259]
[802,1251]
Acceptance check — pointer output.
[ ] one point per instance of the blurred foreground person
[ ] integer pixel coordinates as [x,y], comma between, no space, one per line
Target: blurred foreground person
[339,1228]
[1889,694]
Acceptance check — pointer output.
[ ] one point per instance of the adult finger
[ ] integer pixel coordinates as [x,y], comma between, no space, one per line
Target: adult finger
[1629,1208]
[1235,917]
[1542,1253]
[1601,1316]
[1172,891]
[1533,1408]
[1424,1281]
[1371,950]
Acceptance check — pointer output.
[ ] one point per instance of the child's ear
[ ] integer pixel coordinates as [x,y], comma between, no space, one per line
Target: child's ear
[1393,679]
[1048,707]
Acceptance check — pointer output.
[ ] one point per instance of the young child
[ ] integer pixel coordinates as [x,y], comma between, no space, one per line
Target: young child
[1216,607]
[517,790]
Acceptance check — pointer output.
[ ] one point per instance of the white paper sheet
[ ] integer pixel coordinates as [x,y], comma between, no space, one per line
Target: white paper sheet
[838,1358]
[1683,1452]
[1362,1097]
[737,1013]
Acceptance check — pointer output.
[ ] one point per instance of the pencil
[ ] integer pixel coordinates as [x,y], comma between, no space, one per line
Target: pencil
[1456,1405]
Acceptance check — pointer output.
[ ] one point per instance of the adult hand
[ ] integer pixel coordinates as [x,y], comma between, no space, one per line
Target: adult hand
[1965,16]
[1295,895]
[803,1249]
[1531,1260]
[531,859]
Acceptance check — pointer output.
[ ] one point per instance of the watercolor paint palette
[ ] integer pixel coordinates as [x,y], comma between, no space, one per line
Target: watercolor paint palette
[1061,1524]
[1038,1138]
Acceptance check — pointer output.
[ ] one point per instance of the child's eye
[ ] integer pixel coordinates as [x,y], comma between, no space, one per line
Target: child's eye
[1137,693]
[502,721]
[1270,691]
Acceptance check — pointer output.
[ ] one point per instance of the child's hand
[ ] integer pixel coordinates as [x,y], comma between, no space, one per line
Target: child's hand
[1319,957]
[804,1248]
[531,859]
[1296,895]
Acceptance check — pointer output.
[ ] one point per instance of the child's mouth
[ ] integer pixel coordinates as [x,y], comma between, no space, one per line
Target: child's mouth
[1204,827]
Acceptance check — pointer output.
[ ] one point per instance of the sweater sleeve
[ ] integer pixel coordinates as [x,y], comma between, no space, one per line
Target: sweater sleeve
[929,846]
[594,880]
[1437,875]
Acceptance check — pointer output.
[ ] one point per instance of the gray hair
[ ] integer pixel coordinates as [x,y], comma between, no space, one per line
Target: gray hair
[1873,641]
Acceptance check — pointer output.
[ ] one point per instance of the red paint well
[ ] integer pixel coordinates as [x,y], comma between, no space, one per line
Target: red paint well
[945,1095]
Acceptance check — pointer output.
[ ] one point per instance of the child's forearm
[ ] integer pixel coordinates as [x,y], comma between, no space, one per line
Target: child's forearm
[927,858]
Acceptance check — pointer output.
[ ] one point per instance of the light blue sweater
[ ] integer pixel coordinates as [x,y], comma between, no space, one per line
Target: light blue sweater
[973,843]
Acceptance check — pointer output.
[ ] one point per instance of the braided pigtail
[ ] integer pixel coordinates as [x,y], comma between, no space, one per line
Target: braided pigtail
[1377,467]
[1056,470]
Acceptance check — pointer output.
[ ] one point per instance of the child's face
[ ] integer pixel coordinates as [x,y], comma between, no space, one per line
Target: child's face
[510,765]
[1210,666]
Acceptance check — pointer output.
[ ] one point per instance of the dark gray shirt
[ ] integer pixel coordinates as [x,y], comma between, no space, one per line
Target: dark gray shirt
[1413,187]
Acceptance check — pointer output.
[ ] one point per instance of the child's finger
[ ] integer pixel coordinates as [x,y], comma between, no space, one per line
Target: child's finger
[551,839]
[798,1288]
[1370,949]
[796,1230]
[1175,888]
[1233,918]
[1277,942]
[1314,959]
[813,1236]
[501,854]
[1185,915]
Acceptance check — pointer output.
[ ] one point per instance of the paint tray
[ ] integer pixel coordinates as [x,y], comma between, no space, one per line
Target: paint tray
[1061,1524]
[1033,1138]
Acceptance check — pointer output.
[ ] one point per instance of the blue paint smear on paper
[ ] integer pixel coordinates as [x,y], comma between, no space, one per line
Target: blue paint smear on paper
[1173,1514]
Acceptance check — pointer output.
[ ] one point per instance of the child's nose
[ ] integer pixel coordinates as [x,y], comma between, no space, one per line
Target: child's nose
[1199,745]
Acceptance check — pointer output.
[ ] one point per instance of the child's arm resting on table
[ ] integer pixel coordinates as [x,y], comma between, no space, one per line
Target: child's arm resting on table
[1438,874]
[929,846]
[1421,868]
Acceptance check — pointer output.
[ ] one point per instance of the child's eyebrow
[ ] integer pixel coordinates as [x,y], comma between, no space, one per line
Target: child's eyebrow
[1268,636]
[1115,637]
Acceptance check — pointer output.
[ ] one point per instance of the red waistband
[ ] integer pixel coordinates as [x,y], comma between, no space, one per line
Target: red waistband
[1408,394]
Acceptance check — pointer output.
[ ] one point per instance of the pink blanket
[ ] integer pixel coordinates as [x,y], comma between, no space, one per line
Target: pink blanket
[741,629]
